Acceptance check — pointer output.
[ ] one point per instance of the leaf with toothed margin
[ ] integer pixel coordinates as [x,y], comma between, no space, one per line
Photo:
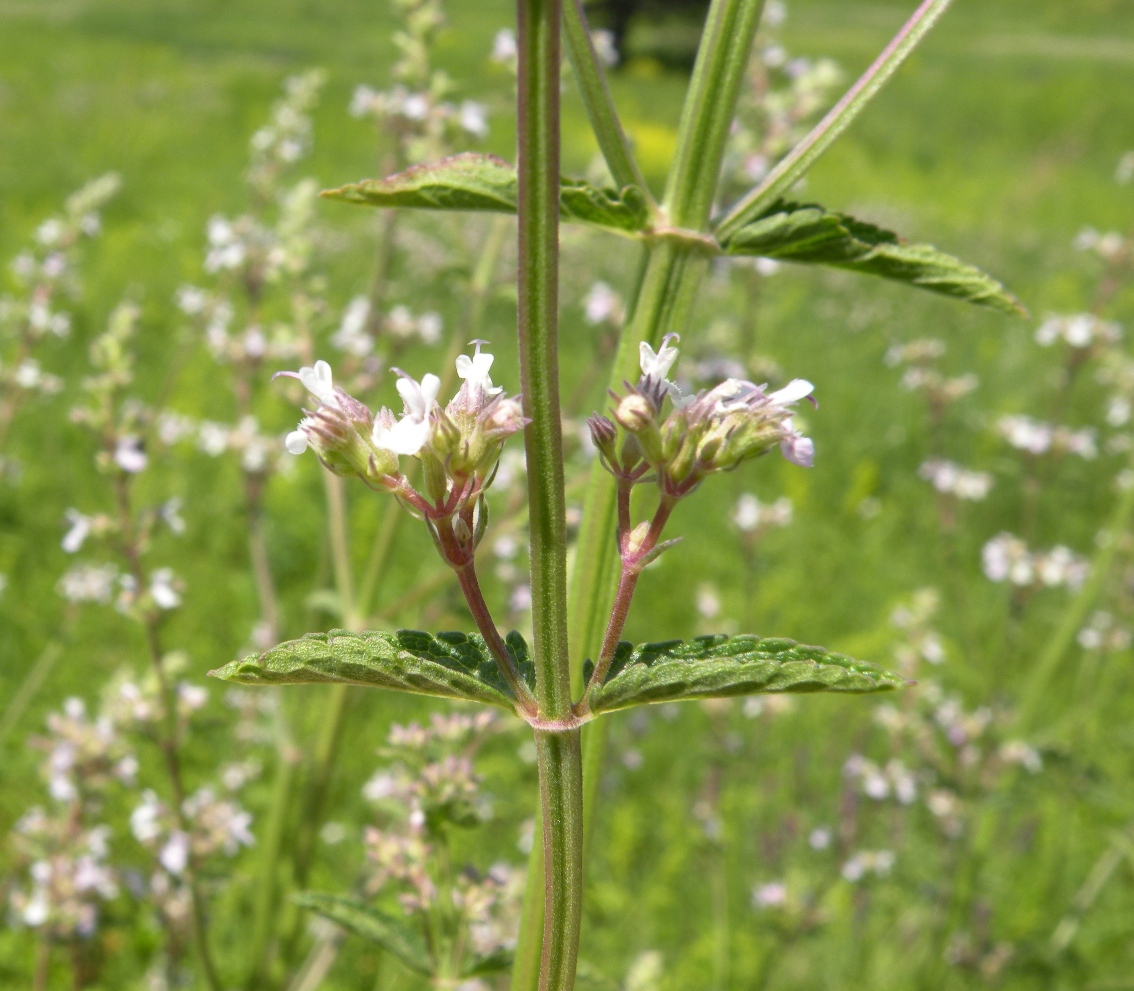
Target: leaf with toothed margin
[450,665]
[721,666]
[390,932]
[810,234]
[472,181]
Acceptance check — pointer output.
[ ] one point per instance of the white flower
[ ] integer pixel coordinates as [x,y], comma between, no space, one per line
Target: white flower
[145,820]
[129,456]
[213,438]
[162,591]
[952,479]
[708,602]
[793,392]
[772,895]
[174,856]
[319,381]
[504,46]
[80,530]
[170,513]
[351,335]
[88,583]
[410,433]
[656,365]
[820,838]
[474,118]
[475,372]
[601,304]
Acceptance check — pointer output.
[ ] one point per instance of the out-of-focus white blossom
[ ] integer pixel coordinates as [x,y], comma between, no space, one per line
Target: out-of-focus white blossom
[1103,632]
[1006,558]
[603,305]
[949,478]
[1080,331]
[751,515]
[774,894]
[1035,437]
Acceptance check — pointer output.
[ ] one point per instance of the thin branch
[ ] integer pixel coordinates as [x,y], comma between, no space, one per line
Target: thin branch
[823,135]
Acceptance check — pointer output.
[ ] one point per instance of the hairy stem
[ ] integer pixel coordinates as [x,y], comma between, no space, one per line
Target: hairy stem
[559,754]
[561,795]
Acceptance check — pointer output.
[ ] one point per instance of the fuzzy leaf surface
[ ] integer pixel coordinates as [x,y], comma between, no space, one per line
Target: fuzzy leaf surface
[810,234]
[472,181]
[449,665]
[387,931]
[721,666]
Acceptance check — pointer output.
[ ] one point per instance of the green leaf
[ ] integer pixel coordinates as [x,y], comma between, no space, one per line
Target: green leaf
[450,665]
[808,233]
[721,666]
[488,963]
[388,931]
[472,181]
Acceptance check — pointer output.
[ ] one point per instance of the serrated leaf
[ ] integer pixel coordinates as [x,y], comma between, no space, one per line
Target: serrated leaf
[721,666]
[482,965]
[472,181]
[450,665]
[387,931]
[810,234]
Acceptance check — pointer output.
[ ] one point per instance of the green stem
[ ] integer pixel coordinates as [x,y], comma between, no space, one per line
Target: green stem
[538,290]
[561,793]
[670,276]
[271,843]
[559,754]
[824,134]
[32,683]
[591,79]
[710,105]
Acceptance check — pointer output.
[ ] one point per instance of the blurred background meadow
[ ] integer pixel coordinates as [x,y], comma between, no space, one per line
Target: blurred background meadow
[967,521]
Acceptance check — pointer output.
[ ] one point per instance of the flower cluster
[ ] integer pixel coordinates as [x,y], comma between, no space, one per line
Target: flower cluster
[921,374]
[682,439]
[417,111]
[949,478]
[918,639]
[208,825]
[1080,331]
[1104,632]
[84,756]
[43,274]
[1110,246]
[69,875]
[751,516]
[64,848]
[1007,559]
[459,445]
[1035,437]
[286,137]
[428,787]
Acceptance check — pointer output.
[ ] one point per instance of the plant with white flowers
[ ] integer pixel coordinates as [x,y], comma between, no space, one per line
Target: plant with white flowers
[577,668]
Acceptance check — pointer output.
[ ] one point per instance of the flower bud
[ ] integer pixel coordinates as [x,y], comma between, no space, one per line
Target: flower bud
[635,413]
[639,417]
[604,434]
